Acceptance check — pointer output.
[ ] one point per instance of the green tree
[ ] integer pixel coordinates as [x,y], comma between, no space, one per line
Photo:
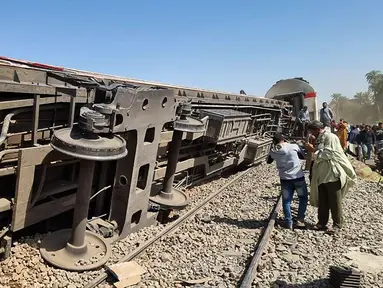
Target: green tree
[338,103]
[363,110]
[375,86]
[364,106]
[363,98]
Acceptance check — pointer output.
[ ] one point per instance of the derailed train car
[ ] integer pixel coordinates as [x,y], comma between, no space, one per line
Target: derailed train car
[174,136]
[298,92]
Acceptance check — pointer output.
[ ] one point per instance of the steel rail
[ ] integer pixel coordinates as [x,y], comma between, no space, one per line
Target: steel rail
[252,268]
[169,228]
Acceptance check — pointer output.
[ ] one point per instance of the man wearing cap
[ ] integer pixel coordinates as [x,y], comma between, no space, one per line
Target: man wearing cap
[288,156]
[332,176]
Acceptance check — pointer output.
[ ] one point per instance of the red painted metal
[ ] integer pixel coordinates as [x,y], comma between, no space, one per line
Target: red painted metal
[311,95]
[33,64]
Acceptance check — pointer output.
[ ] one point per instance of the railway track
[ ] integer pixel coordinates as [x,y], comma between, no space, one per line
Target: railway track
[276,258]
[217,240]
[260,247]
[26,259]
[169,228]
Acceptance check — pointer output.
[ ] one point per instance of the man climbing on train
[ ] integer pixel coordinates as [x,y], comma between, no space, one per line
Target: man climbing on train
[326,116]
[303,119]
[288,158]
[332,176]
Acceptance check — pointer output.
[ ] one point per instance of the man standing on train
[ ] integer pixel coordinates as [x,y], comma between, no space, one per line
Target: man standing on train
[303,119]
[332,176]
[326,116]
[288,158]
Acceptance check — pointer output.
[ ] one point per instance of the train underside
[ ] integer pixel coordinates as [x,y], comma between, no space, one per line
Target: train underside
[216,131]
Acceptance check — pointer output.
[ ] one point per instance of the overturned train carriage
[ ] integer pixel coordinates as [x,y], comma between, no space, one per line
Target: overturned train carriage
[175,136]
[298,92]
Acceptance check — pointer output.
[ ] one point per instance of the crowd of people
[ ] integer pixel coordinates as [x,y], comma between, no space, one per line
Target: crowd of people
[360,140]
[364,140]
[331,173]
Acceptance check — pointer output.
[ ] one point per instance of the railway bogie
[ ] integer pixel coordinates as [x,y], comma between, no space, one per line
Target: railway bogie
[39,182]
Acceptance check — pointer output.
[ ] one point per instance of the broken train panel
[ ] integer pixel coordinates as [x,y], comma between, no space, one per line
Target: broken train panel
[39,183]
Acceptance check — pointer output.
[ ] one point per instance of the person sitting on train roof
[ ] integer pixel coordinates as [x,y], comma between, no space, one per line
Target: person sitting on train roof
[326,115]
[332,176]
[287,157]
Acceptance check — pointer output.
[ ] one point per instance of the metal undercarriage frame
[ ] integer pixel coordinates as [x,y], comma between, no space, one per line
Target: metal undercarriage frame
[41,183]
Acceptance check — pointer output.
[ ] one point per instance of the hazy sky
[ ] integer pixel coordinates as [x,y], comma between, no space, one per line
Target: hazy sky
[213,44]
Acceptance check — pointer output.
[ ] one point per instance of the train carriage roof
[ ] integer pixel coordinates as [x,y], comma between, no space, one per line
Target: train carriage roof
[290,87]
[35,65]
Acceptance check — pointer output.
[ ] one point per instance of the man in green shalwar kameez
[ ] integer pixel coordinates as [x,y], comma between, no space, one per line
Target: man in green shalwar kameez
[332,176]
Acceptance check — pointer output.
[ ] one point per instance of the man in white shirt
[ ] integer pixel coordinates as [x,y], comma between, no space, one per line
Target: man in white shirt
[303,119]
[288,158]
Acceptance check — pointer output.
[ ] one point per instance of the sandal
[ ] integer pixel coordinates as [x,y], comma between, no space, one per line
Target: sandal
[300,224]
[333,231]
[320,227]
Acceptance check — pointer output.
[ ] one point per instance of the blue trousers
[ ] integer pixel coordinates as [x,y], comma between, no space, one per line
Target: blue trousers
[288,188]
[367,149]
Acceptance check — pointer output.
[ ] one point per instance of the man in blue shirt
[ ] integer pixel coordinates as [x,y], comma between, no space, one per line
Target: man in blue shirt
[288,158]
[352,135]
[352,140]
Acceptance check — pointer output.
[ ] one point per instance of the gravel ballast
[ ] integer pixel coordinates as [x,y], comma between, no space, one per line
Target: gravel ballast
[216,243]
[26,268]
[303,257]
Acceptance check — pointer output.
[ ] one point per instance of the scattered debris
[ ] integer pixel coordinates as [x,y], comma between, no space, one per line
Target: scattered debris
[366,262]
[127,273]
[128,282]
